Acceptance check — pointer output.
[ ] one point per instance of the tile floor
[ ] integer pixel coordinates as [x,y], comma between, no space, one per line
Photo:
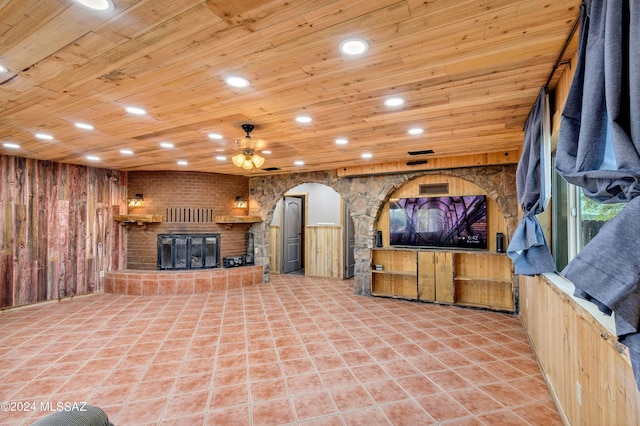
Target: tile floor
[296,351]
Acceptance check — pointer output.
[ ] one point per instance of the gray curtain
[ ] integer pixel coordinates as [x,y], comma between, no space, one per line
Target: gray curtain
[528,247]
[598,150]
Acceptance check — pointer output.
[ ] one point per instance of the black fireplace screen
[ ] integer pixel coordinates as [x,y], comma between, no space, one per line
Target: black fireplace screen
[188,251]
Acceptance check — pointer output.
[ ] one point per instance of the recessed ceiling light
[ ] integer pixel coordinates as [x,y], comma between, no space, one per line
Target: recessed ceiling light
[93,158]
[100,5]
[236,81]
[3,69]
[216,136]
[354,46]
[83,126]
[182,162]
[367,155]
[304,119]
[126,151]
[341,141]
[166,144]
[11,145]
[221,157]
[394,102]
[299,163]
[415,131]
[135,110]
[44,136]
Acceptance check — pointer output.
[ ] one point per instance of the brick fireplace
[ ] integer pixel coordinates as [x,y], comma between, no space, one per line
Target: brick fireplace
[188,203]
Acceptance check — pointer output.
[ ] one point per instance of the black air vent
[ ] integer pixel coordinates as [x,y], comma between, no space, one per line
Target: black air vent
[426,151]
[416,163]
[188,215]
[434,188]
[270,169]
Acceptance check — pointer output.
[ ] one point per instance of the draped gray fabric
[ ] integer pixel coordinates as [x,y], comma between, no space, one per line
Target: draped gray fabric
[528,247]
[599,141]
[87,415]
[599,150]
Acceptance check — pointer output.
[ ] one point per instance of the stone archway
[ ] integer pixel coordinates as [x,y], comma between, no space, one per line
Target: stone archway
[365,196]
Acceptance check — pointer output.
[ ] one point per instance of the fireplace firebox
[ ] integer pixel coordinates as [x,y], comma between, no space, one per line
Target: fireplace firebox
[188,251]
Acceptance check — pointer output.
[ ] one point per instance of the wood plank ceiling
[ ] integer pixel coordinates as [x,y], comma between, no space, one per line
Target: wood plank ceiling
[468,70]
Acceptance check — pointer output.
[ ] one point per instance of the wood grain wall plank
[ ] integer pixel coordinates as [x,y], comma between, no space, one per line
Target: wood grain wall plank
[55,220]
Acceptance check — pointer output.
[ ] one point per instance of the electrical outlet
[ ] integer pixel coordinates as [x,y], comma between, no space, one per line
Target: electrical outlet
[101,274]
[579,393]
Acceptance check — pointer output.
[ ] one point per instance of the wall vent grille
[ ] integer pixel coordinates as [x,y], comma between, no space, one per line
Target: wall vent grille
[434,188]
[189,215]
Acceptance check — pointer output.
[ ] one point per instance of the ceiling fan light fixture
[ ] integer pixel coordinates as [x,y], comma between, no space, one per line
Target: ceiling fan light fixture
[238,160]
[247,164]
[248,159]
[257,161]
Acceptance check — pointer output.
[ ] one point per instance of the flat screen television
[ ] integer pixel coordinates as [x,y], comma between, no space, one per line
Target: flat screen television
[448,222]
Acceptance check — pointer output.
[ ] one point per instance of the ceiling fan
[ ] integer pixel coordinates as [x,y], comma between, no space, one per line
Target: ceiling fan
[248,159]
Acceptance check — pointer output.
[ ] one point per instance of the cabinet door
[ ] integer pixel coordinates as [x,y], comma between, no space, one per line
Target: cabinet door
[426,276]
[443,267]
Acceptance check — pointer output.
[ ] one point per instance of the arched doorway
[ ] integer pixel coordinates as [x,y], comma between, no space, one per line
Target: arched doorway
[312,233]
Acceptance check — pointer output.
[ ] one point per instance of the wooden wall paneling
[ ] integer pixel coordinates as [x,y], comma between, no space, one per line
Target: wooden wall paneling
[95,188]
[274,248]
[588,371]
[323,252]
[19,219]
[31,241]
[50,219]
[41,246]
[437,163]
[74,233]
[6,260]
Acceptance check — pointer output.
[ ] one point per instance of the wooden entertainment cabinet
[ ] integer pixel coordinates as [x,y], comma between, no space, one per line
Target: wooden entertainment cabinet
[466,278]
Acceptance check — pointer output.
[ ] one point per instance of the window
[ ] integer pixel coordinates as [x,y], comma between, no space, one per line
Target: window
[593,215]
[576,220]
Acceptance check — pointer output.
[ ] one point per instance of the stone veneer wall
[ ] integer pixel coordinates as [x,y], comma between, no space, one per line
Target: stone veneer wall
[365,196]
